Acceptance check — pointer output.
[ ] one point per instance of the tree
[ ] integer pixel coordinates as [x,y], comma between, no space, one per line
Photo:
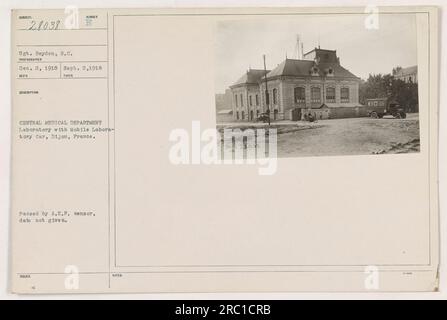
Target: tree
[406,94]
[375,86]
[386,86]
[396,70]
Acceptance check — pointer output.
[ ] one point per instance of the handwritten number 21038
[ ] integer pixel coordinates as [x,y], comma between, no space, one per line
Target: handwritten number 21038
[44,25]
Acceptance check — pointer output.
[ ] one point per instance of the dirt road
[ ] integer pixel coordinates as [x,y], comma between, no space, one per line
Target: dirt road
[352,137]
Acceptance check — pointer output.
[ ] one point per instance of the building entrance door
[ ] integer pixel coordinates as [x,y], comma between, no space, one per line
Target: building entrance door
[296,114]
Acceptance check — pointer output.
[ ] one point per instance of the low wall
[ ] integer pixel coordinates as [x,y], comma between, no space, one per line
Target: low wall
[348,112]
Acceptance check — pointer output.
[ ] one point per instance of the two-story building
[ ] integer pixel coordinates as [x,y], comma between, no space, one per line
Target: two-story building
[316,85]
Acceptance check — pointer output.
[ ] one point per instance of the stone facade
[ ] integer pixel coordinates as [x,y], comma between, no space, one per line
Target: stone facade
[297,87]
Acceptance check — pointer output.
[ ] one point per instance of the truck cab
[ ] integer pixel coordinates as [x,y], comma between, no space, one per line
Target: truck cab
[379,107]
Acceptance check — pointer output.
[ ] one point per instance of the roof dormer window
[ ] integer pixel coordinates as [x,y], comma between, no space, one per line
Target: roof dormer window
[314,71]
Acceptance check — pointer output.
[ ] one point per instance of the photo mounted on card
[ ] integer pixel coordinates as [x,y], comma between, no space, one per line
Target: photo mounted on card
[225,150]
[307,70]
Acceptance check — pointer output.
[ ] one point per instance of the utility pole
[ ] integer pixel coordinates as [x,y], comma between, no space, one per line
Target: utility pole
[297,47]
[324,89]
[267,95]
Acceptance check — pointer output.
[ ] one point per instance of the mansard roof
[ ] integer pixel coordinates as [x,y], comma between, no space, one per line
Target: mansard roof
[252,76]
[301,68]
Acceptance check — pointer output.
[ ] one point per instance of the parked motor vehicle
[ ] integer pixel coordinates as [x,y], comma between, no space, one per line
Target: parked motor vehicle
[380,107]
[264,117]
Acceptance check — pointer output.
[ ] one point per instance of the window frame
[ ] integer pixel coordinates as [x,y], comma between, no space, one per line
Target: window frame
[313,100]
[342,99]
[302,90]
[330,99]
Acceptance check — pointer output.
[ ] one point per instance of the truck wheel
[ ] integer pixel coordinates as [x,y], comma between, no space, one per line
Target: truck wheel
[403,115]
[374,115]
[398,115]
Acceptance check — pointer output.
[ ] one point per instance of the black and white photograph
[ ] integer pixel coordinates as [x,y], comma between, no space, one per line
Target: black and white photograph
[329,84]
[206,154]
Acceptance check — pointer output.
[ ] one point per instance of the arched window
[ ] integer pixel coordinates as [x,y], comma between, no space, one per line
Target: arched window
[315,94]
[235,100]
[300,94]
[344,95]
[242,100]
[267,97]
[243,115]
[257,100]
[275,96]
[250,100]
[330,95]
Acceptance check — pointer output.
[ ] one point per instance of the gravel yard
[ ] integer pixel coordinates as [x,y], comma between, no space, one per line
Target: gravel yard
[353,136]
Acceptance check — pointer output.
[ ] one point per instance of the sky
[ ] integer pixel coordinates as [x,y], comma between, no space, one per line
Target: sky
[240,44]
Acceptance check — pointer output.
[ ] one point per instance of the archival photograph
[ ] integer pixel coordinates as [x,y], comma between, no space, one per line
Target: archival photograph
[325,84]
